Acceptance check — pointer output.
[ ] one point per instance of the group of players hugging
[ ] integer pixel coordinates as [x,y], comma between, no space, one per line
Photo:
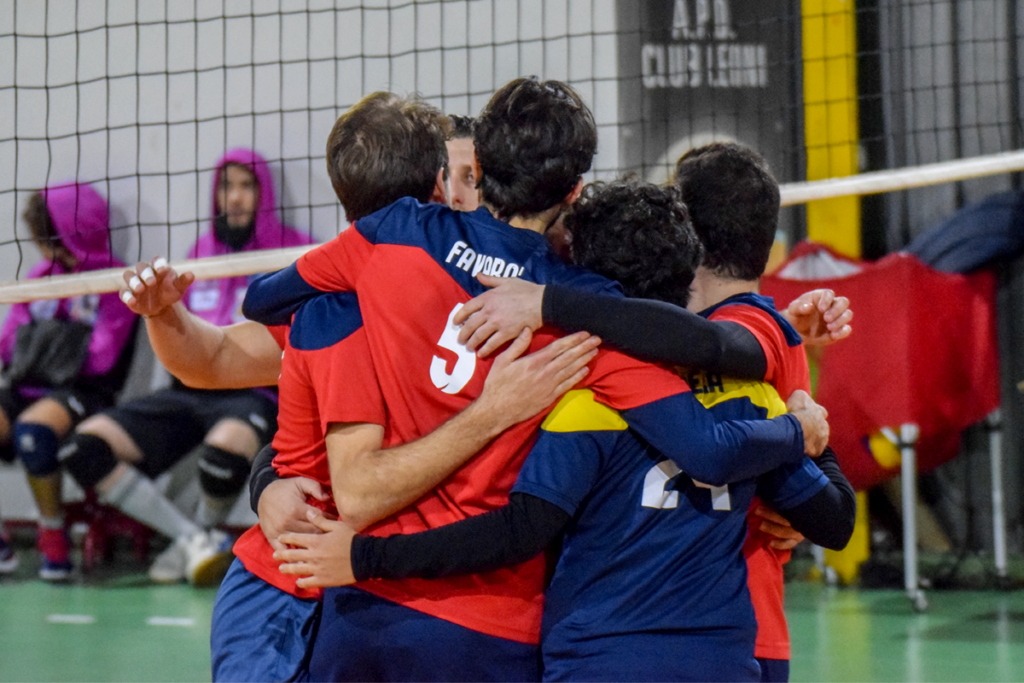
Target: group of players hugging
[522,428]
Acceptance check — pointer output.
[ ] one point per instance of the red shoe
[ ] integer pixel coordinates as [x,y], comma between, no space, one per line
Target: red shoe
[56,551]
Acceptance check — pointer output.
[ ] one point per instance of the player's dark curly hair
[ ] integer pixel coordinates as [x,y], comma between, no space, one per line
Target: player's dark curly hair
[384,148]
[734,205]
[639,234]
[534,140]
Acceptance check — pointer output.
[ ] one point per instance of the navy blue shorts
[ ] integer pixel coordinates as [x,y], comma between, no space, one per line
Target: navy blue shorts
[774,670]
[259,633]
[366,638]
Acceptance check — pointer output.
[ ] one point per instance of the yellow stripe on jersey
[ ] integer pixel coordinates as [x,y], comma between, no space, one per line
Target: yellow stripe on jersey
[579,412]
[712,389]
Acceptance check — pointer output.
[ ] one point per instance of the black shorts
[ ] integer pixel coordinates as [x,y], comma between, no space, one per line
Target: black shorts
[80,402]
[170,423]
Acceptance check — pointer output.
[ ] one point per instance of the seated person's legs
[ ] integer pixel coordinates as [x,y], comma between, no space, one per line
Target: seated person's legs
[120,452]
[37,434]
[34,437]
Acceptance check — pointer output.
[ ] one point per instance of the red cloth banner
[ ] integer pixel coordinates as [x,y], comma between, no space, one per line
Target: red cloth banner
[924,350]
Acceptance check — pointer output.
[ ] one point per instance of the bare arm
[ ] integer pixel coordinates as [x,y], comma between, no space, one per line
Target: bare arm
[370,483]
[200,354]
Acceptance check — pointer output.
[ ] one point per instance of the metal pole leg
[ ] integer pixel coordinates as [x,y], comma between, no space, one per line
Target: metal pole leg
[995,448]
[908,469]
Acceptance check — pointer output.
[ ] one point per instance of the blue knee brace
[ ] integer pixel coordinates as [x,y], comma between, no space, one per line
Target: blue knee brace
[36,446]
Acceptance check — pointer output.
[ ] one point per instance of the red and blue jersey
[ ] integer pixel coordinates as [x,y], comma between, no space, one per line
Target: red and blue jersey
[787,371]
[326,377]
[413,266]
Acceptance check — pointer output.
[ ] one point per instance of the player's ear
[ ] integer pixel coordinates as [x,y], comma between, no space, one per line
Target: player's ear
[574,193]
[439,195]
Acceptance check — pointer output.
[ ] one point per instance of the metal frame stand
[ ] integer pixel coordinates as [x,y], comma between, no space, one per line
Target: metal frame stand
[994,425]
[906,441]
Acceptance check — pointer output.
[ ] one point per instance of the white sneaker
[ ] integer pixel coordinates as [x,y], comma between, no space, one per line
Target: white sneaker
[169,566]
[208,557]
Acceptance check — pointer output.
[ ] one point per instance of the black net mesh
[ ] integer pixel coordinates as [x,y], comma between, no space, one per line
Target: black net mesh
[140,98]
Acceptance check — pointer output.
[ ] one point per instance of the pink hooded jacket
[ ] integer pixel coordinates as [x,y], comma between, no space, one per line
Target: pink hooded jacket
[220,301]
[81,220]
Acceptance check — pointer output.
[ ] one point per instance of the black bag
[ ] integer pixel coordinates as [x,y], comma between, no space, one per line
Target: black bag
[48,353]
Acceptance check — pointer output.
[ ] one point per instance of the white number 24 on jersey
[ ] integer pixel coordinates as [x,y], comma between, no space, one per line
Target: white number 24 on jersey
[656,494]
[465,365]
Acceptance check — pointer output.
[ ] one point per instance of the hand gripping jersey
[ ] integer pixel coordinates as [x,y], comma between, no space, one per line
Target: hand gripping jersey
[787,371]
[651,582]
[413,266]
[326,376]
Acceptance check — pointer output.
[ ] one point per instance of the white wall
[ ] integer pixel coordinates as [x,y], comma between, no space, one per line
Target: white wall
[141,98]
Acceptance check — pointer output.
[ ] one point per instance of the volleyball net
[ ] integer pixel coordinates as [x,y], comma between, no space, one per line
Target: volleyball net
[916,100]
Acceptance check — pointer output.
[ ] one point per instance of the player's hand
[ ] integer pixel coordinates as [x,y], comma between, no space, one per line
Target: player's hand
[283,508]
[322,559]
[517,388]
[813,420]
[499,314]
[820,317]
[774,524]
[154,288]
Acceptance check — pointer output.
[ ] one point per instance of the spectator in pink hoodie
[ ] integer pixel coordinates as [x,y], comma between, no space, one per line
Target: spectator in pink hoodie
[64,359]
[120,451]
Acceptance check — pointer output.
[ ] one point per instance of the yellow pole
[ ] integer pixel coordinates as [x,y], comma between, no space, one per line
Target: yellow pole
[831,132]
[831,135]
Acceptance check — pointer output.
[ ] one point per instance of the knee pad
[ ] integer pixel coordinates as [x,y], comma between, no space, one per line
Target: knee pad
[36,446]
[87,458]
[222,474]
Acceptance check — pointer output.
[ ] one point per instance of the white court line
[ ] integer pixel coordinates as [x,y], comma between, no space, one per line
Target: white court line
[70,618]
[170,621]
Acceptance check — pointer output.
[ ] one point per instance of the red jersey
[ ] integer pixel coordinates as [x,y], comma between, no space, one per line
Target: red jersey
[413,266]
[787,371]
[326,376]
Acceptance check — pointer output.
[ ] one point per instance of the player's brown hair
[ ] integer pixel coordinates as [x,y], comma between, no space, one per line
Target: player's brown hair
[383,148]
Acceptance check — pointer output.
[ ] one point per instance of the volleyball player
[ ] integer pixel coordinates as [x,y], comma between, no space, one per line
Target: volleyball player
[463,169]
[432,253]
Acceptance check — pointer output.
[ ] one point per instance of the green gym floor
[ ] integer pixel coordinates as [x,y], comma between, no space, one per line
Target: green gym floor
[115,626]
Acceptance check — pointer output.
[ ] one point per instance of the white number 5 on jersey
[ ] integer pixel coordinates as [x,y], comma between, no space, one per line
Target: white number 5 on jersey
[464,366]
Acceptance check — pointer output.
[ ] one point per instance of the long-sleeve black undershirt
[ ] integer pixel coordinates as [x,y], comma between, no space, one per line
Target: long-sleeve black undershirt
[528,525]
[657,331]
[261,475]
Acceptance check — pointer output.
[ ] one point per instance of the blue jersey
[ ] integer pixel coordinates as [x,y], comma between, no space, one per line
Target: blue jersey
[651,582]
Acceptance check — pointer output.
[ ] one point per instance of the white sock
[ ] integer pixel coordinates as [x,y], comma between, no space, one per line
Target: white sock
[213,511]
[138,497]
